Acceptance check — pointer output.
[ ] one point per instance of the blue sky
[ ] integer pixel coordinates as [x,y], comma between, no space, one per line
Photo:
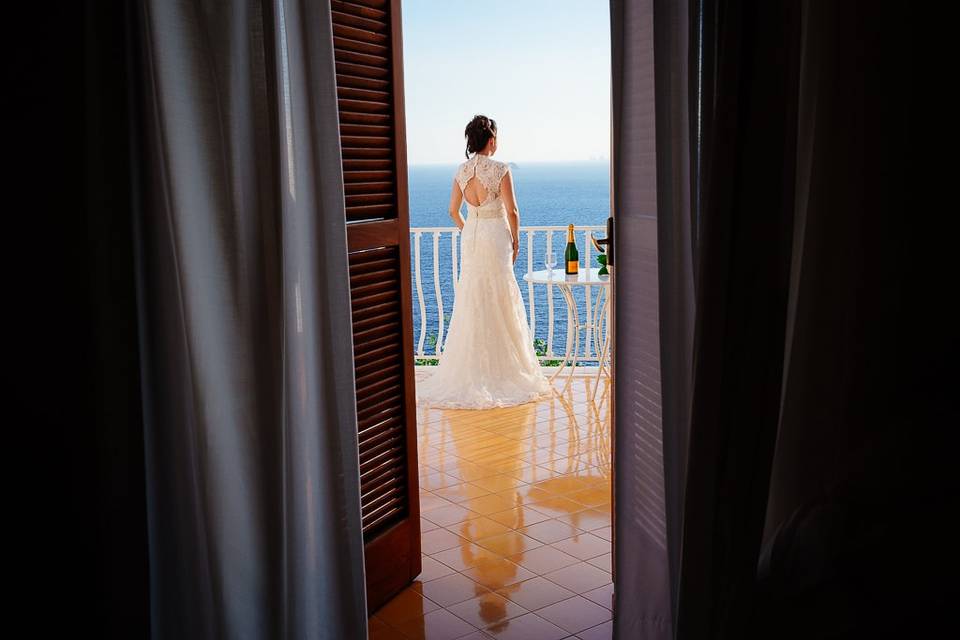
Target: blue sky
[540,68]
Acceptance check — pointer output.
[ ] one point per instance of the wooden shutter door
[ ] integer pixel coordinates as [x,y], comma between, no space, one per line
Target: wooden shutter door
[368,50]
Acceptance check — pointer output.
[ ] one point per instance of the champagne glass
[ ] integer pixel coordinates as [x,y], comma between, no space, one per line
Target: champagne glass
[550,260]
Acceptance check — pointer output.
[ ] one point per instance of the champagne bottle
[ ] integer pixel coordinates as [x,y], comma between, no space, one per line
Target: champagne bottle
[571,256]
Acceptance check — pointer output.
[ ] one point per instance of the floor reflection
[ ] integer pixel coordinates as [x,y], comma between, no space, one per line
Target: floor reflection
[515,525]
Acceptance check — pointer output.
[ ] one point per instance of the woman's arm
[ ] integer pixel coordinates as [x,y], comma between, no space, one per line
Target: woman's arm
[456,198]
[513,213]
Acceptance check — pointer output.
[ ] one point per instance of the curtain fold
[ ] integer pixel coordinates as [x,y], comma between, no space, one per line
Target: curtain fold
[857,513]
[247,361]
[653,47]
[747,216]
[676,88]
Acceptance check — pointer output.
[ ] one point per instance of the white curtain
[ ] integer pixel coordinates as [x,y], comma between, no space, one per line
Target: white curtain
[250,420]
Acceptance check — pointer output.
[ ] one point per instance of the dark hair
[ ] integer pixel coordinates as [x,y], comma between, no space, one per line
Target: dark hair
[478,133]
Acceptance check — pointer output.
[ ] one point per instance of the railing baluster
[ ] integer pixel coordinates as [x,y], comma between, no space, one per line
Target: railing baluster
[453,260]
[423,306]
[533,317]
[455,234]
[436,287]
[550,299]
[586,294]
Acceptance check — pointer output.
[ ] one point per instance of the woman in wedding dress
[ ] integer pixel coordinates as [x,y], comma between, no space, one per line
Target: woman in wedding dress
[488,359]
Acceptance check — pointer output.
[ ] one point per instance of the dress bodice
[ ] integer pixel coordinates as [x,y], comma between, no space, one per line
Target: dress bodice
[489,172]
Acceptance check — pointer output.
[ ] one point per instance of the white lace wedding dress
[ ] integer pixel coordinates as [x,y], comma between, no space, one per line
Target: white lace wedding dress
[488,359]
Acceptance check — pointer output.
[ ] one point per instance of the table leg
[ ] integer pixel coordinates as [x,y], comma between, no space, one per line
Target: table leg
[573,337]
[602,356]
[570,311]
[571,302]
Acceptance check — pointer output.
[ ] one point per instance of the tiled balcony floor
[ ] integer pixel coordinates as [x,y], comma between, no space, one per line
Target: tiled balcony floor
[515,507]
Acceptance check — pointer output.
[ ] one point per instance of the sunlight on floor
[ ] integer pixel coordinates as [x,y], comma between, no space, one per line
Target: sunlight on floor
[515,525]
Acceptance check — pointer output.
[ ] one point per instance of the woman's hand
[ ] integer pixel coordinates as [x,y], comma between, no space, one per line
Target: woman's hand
[516,249]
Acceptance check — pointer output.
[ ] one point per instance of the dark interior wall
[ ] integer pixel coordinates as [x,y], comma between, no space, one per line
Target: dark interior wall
[857,517]
[117,499]
[80,559]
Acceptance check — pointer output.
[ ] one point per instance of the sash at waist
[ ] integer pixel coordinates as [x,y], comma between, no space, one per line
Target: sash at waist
[488,213]
[493,209]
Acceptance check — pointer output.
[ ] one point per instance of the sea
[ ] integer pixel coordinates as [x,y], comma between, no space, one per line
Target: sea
[548,194]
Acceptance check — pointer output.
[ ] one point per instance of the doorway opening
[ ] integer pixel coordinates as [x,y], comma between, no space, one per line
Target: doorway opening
[515,503]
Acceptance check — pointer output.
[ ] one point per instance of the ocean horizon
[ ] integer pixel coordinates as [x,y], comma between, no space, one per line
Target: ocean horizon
[548,193]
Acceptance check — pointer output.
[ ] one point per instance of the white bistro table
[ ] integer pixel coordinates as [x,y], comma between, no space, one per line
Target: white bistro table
[600,319]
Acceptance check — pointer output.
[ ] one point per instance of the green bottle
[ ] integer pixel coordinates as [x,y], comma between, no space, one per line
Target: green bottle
[571,256]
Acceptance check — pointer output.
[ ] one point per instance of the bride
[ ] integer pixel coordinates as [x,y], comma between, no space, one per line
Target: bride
[488,359]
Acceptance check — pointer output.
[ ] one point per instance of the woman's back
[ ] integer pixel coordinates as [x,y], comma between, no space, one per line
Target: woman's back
[480,178]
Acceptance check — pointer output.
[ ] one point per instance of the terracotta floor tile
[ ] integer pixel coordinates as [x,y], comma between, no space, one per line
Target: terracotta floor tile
[554,507]
[543,559]
[426,525]
[549,531]
[535,593]
[479,472]
[527,627]
[586,520]
[575,614]
[446,516]
[509,543]
[477,528]
[602,596]
[604,532]
[439,480]
[600,632]
[593,497]
[486,610]
[584,546]
[579,578]
[379,630]
[436,625]
[407,605]
[467,555]
[495,573]
[603,562]
[459,492]
[508,465]
[430,501]
[524,495]
[452,589]
[491,503]
[539,440]
[565,466]
[519,517]
[432,569]
[532,474]
[438,540]
[476,635]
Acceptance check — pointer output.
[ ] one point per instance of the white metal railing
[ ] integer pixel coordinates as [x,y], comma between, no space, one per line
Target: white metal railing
[417,233]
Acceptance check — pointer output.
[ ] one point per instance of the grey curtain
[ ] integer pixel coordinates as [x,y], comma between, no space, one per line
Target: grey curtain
[812,505]
[244,306]
[857,517]
[750,66]
[653,46]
